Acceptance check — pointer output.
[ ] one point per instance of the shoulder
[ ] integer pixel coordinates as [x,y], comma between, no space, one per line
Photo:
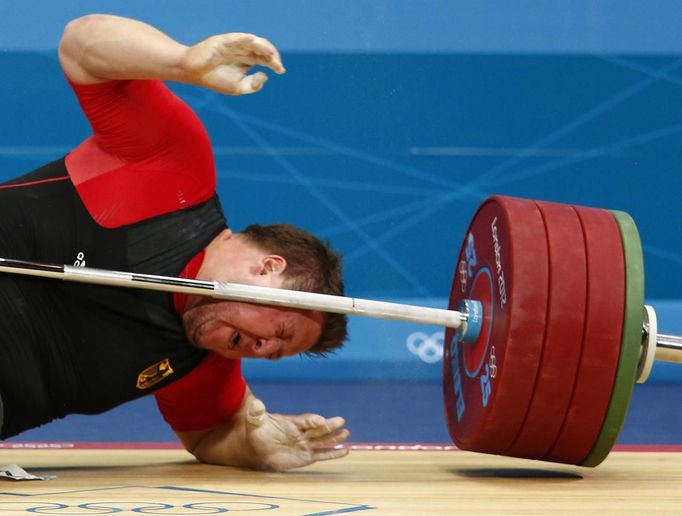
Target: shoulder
[149,153]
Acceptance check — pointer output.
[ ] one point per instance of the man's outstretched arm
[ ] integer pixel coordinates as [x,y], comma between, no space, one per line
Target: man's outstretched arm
[98,48]
[254,438]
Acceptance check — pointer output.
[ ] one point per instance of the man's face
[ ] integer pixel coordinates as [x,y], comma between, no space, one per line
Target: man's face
[244,330]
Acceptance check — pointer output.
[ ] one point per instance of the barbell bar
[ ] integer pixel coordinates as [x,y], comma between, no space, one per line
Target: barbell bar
[510,311]
[464,320]
[656,346]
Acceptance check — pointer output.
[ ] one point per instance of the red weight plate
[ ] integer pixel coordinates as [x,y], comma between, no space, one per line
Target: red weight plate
[488,384]
[601,341]
[563,332]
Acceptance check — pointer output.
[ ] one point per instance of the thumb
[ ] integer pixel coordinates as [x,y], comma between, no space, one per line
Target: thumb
[252,83]
[256,413]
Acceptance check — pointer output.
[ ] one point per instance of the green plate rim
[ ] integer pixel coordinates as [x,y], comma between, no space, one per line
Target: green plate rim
[631,341]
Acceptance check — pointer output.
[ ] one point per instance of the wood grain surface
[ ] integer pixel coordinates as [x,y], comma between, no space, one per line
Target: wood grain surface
[169,481]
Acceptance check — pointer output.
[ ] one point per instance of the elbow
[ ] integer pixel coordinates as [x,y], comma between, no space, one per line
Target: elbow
[204,454]
[194,443]
[201,457]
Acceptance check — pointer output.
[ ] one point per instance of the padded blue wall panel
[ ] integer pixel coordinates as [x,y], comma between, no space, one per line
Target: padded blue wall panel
[386,141]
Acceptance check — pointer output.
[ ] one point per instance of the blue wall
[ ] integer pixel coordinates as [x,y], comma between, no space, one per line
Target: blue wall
[497,26]
[395,120]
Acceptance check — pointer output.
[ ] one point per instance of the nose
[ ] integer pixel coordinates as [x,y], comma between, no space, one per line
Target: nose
[266,347]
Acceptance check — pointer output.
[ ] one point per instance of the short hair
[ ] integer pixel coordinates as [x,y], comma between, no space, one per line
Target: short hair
[312,266]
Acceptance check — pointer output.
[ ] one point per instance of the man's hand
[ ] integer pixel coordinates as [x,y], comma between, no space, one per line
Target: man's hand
[221,63]
[254,438]
[98,47]
[285,442]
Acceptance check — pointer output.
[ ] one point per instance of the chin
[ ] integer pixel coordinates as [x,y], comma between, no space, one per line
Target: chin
[232,354]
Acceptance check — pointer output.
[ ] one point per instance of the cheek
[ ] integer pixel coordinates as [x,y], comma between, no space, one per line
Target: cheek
[214,337]
[206,326]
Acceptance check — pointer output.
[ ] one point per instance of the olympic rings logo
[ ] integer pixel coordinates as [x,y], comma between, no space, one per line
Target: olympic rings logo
[429,348]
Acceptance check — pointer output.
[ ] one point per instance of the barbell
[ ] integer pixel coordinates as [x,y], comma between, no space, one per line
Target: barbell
[546,327]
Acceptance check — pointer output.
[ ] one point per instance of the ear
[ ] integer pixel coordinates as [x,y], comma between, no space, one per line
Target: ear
[272,264]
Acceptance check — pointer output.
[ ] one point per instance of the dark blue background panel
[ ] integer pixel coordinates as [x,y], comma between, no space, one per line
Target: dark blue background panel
[374,411]
[388,155]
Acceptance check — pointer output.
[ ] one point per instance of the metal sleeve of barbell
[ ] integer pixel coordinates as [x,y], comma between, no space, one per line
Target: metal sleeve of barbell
[238,292]
[669,348]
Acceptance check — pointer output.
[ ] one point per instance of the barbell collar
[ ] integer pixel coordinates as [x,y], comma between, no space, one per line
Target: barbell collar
[472,310]
[647,352]
[656,346]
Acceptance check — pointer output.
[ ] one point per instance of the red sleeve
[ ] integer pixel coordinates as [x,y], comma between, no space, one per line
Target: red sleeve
[207,396]
[149,153]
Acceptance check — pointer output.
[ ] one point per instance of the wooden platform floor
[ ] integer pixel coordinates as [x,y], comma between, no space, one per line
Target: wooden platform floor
[169,482]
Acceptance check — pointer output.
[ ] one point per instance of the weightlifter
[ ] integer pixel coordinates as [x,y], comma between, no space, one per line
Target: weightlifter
[139,195]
